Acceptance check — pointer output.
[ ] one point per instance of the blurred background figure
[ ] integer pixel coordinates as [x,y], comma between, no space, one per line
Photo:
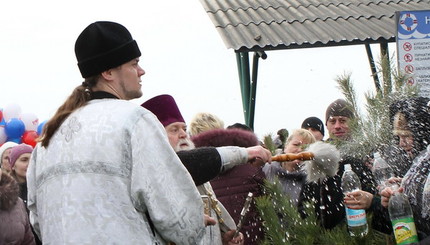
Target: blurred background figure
[204,121]
[290,174]
[315,126]
[19,160]
[14,225]
[280,138]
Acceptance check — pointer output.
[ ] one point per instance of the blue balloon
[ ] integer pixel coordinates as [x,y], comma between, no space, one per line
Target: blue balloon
[40,127]
[14,129]
[16,140]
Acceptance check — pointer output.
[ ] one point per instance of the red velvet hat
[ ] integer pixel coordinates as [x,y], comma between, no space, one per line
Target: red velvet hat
[165,108]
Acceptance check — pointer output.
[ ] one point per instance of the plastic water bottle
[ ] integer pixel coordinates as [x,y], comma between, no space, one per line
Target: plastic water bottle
[402,219]
[381,171]
[356,218]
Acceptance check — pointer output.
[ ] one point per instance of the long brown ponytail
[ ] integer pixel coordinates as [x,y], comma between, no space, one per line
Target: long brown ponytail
[79,97]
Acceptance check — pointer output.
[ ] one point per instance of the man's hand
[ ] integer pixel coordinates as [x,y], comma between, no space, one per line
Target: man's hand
[386,194]
[358,200]
[229,239]
[209,220]
[258,155]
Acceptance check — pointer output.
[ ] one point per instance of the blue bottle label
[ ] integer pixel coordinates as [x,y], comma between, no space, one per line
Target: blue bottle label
[356,217]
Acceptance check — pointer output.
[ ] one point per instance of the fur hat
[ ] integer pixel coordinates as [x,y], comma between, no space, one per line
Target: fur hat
[6,146]
[225,137]
[104,45]
[315,123]
[17,151]
[338,107]
[9,191]
[165,108]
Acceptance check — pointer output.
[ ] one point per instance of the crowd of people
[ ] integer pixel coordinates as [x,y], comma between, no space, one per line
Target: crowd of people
[145,178]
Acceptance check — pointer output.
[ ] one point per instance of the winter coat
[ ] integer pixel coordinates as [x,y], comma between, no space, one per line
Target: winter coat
[292,182]
[14,224]
[331,193]
[232,187]
[416,184]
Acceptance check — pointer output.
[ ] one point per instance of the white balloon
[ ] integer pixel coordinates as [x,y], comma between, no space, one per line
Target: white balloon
[30,120]
[3,136]
[11,111]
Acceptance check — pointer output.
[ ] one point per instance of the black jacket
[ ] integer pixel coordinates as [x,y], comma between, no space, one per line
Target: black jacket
[329,193]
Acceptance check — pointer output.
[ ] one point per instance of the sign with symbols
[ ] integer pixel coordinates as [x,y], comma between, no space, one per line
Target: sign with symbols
[413,47]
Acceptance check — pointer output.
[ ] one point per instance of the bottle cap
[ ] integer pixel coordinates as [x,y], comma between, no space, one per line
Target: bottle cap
[376,155]
[347,167]
[395,187]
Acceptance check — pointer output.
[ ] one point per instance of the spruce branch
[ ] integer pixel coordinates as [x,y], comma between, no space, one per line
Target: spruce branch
[371,131]
[284,225]
[269,144]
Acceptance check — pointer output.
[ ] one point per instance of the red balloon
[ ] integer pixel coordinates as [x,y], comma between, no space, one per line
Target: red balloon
[30,138]
[1,115]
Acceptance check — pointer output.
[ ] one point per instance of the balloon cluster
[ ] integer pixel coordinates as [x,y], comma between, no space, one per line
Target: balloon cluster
[18,126]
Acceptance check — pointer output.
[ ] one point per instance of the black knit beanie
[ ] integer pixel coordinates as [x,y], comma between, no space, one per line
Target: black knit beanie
[338,107]
[315,123]
[104,45]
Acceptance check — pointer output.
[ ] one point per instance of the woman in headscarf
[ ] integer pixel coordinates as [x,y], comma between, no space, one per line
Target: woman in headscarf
[413,122]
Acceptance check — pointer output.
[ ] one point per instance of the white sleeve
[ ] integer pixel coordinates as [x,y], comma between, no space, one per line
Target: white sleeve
[31,194]
[161,185]
[232,156]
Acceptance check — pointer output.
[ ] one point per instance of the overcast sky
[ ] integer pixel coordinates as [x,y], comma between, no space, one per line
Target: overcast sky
[182,54]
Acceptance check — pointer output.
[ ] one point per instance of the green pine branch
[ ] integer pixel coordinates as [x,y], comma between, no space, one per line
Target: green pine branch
[371,131]
[284,225]
[269,144]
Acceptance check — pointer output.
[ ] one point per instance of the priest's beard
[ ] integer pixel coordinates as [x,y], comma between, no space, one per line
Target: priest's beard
[184,145]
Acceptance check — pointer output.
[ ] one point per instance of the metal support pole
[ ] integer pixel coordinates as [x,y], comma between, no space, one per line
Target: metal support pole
[373,68]
[253,92]
[387,72]
[242,59]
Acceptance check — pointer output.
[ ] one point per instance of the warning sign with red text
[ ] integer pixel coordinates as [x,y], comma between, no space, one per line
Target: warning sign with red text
[413,48]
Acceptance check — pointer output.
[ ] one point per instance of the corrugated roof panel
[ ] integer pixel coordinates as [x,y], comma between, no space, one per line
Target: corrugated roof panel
[281,14]
[224,5]
[270,23]
[308,32]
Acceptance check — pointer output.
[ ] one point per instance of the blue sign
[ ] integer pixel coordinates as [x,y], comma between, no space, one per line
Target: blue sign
[413,48]
[413,25]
